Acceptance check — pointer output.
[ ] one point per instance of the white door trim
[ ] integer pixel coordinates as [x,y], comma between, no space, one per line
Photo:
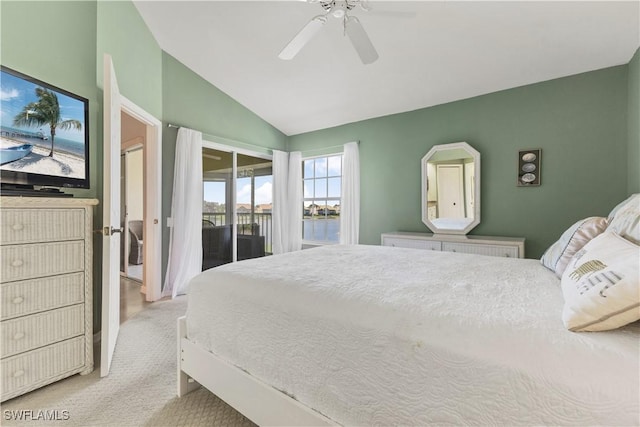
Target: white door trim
[152,271]
[124,220]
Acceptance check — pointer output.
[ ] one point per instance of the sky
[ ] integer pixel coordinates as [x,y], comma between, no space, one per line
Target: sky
[321,179]
[215,191]
[15,93]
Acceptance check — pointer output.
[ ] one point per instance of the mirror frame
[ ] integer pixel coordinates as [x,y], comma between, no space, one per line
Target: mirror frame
[424,199]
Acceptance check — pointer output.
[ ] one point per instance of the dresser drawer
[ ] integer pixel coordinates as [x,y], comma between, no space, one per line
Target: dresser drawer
[481,249]
[38,260]
[26,333]
[35,295]
[40,225]
[412,243]
[28,371]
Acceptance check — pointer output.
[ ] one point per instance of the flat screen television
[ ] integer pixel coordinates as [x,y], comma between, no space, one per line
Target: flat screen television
[44,136]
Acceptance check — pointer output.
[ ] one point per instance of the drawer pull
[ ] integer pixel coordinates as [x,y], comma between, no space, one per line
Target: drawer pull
[18,336]
[18,300]
[18,374]
[17,263]
[17,227]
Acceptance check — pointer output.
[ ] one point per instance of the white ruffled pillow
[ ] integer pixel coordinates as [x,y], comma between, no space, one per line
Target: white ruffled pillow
[558,255]
[601,285]
[624,219]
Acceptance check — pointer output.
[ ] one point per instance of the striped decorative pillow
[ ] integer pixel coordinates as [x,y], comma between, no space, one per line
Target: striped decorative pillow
[579,234]
[601,285]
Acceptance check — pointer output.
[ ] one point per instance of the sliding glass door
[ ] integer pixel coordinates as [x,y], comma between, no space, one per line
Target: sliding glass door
[236,210]
[217,215]
[254,202]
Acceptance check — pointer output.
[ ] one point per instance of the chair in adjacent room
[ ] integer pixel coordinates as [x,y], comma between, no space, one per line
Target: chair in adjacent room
[135,237]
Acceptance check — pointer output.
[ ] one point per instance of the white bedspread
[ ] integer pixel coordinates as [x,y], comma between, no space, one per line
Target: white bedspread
[370,335]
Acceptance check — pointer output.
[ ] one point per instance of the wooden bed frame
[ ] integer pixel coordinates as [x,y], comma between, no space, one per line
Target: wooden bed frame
[261,403]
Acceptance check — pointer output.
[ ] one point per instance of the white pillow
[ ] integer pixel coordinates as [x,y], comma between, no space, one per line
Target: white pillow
[624,219]
[601,285]
[558,255]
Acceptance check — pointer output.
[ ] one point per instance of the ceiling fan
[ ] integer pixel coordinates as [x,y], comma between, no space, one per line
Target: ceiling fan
[338,9]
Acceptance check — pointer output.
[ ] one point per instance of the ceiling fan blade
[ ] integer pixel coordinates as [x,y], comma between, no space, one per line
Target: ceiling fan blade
[360,40]
[303,37]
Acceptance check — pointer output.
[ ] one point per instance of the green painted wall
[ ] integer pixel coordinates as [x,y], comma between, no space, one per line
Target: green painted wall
[580,122]
[137,57]
[190,101]
[587,126]
[633,108]
[138,67]
[66,50]
[59,50]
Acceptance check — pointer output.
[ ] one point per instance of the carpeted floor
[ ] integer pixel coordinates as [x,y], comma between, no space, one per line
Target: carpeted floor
[140,390]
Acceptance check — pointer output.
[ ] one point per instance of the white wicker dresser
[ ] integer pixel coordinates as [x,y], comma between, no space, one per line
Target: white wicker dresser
[46,284]
[482,245]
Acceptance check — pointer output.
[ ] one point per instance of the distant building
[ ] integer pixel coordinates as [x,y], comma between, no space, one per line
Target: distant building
[322,210]
[243,208]
[266,208]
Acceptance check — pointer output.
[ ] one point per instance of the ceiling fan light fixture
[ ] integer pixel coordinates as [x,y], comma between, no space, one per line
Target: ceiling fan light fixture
[338,12]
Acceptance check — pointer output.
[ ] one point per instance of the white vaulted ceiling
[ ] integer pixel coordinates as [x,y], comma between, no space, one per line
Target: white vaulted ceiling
[431,52]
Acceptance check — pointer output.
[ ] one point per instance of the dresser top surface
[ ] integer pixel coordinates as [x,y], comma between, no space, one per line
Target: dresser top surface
[453,237]
[45,202]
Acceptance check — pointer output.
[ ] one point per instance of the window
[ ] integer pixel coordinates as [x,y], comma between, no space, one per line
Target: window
[322,183]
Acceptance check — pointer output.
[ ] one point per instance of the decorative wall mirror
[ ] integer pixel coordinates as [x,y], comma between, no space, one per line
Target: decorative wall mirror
[451,188]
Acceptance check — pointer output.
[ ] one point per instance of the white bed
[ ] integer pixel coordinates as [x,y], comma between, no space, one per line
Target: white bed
[368,335]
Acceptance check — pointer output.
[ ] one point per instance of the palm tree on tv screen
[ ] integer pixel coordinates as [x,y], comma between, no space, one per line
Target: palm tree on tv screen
[45,111]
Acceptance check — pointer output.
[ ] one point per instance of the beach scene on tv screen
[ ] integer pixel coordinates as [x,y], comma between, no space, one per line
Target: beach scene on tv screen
[42,131]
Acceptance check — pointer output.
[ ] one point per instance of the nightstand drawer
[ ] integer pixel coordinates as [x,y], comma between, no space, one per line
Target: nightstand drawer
[36,368]
[491,250]
[20,262]
[412,243]
[35,295]
[41,225]
[30,332]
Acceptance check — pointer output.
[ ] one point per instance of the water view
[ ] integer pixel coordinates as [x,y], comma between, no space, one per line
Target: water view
[321,229]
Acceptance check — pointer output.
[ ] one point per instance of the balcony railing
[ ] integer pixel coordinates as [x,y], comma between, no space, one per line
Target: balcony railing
[258,224]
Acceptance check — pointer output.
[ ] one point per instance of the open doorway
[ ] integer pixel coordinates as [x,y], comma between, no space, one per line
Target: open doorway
[132,214]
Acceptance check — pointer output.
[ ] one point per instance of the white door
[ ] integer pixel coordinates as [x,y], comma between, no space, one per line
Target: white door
[111,218]
[450,191]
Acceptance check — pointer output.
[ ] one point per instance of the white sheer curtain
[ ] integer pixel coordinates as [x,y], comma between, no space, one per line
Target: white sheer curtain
[185,241]
[350,203]
[294,202]
[287,201]
[280,203]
